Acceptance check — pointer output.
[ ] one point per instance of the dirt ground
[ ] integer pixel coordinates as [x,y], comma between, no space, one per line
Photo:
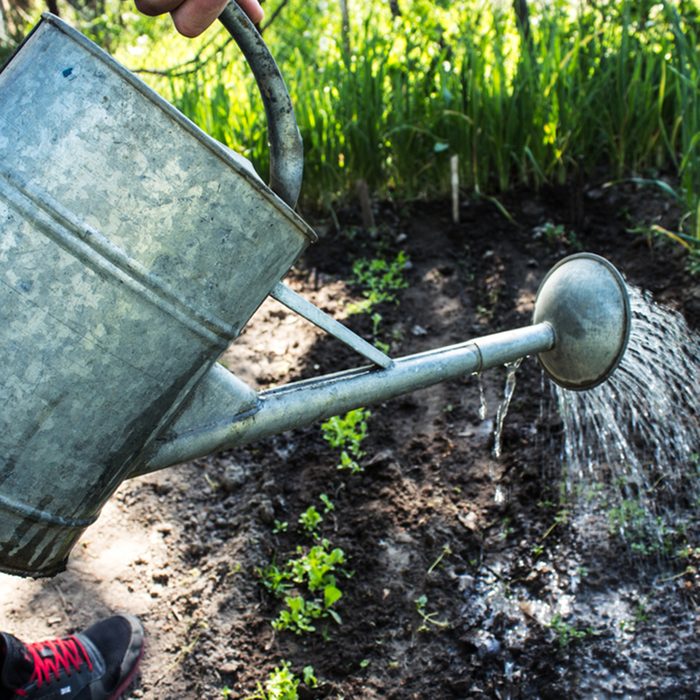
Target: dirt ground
[514,603]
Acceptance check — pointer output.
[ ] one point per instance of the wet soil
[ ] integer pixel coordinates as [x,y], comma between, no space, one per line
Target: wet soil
[466,575]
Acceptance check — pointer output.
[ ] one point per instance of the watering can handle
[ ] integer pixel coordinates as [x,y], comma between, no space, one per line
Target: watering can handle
[286,148]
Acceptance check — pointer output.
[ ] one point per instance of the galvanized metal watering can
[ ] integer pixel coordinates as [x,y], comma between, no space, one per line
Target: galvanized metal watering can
[134,248]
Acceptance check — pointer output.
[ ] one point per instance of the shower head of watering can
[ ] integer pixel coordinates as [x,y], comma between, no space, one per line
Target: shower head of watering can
[584,298]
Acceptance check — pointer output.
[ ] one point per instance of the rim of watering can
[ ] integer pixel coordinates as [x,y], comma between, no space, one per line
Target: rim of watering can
[567,330]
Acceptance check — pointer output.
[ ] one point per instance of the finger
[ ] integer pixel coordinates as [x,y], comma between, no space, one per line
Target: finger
[252,9]
[192,17]
[156,7]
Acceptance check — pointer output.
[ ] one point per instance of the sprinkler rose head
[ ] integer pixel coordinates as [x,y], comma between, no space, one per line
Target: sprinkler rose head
[584,298]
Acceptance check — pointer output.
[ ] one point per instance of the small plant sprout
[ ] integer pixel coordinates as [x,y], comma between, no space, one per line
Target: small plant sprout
[282,684]
[428,617]
[566,633]
[446,550]
[327,503]
[380,280]
[308,586]
[347,434]
[555,234]
[310,520]
[309,677]
[276,580]
[280,526]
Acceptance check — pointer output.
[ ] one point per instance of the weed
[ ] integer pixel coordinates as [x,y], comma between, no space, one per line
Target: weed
[347,434]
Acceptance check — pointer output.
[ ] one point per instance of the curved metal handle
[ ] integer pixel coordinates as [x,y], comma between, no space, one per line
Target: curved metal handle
[286,148]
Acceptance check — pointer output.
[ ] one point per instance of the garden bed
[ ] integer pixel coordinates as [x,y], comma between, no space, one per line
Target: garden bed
[462,577]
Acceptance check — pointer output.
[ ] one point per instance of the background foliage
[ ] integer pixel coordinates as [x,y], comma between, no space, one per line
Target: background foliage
[523,93]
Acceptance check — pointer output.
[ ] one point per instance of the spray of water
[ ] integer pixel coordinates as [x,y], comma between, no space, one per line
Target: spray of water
[639,432]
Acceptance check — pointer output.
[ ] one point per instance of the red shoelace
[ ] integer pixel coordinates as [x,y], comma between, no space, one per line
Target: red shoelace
[51,656]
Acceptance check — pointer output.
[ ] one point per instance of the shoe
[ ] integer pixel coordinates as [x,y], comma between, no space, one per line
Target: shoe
[96,664]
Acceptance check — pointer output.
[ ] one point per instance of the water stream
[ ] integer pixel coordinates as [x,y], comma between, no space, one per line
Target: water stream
[639,432]
[634,443]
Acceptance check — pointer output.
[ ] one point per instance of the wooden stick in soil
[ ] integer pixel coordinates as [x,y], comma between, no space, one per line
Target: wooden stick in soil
[454,181]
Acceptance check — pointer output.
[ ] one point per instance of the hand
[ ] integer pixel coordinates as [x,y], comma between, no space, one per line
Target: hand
[192,17]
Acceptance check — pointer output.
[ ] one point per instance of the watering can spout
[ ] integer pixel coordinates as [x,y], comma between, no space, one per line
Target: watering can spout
[579,333]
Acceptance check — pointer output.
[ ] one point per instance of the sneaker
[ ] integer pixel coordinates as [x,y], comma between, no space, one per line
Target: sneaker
[97,664]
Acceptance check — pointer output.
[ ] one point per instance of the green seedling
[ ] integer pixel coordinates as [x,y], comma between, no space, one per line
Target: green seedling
[555,234]
[446,550]
[644,533]
[428,617]
[347,434]
[298,616]
[327,503]
[312,576]
[282,684]
[309,677]
[280,526]
[567,633]
[380,280]
[310,520]
[275,580]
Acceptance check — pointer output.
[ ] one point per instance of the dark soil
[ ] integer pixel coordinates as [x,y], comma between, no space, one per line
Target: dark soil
[519,604]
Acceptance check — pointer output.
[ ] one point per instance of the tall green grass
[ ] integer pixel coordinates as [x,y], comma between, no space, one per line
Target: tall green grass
[612,86]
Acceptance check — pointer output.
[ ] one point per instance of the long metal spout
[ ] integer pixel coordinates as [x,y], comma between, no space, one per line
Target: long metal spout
[301,403]
[580,331]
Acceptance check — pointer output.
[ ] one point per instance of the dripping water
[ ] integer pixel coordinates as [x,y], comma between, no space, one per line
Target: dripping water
[483,406]
[509,389]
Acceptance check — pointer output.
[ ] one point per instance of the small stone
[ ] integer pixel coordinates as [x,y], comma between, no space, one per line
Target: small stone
[266,512]
[229,668]
[233,478]
[418,330]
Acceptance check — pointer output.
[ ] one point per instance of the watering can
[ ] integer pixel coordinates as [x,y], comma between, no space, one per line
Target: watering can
[134,248]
